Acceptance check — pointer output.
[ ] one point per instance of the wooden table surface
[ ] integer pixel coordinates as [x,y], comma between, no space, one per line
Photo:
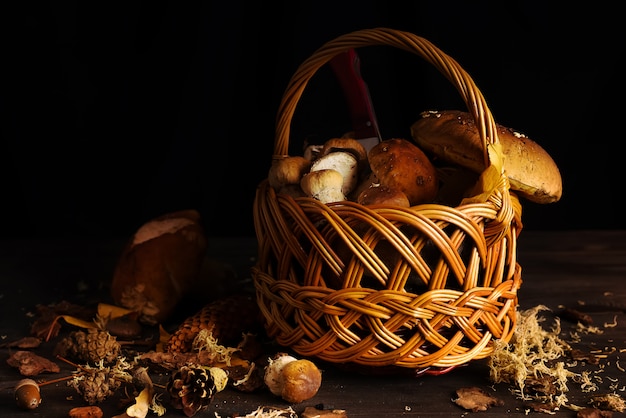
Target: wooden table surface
[584,270]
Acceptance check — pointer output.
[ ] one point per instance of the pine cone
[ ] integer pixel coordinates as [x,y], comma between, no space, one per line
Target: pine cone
[227,319]
[95,386]
[191,388]
[91,346]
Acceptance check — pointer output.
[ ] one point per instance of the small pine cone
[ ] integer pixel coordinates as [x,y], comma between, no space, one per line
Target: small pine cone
[95,386]
[191,388]
[91,346]
[227,319]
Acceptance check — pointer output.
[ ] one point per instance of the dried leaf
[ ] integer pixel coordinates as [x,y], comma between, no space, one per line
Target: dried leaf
[313,412]
[26,342]
[86,412]
[475,399]
[142,404]
[106,310]
[490,178]
[78,322]
[47,326]
[30,364]
[125,326]
[610,402]
[593,413]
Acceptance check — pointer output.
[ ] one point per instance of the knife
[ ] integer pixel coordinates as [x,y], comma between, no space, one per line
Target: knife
[347,69]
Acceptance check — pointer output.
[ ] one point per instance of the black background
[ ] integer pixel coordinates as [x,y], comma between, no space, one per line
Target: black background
[111,114]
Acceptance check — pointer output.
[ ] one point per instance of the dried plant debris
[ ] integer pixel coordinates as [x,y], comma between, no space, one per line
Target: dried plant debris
[476,399]
[611,402]
[244,362]
[532,352]
[191,388]
[318,412]
[97,383]
[574,315]
[546,408]
[46,325]
[26,342]
[225,319]
[211,350]
[593,413]
[86,412]
[269,412]
[91,346]
[30,364]
[540,363]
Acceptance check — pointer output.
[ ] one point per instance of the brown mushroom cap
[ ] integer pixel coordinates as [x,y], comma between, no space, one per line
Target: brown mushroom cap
[378,194]
[400,164]
[452,136]
[342,161]
[287,170]
[302,380]
[160,265]
[324,185]
[350,145]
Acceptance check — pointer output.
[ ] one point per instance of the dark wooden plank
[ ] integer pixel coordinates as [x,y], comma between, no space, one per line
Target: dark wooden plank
[579,269]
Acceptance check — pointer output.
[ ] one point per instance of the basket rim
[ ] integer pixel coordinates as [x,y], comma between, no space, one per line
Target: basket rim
[381,36]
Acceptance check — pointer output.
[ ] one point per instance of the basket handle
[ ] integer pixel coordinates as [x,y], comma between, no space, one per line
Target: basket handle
[407,41]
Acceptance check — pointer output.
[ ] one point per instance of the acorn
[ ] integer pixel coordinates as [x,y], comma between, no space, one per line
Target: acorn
[27,394]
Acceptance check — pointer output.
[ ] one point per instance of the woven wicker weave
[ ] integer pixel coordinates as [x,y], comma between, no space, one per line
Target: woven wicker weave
[426,287]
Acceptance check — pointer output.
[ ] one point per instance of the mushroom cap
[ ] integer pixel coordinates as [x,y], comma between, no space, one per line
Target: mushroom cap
[378,194]
[302,380]
[324,185]
[452,136]
[398,163]
[343,162]
[350,145]
[287,170]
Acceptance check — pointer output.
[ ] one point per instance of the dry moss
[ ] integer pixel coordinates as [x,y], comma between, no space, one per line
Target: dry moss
[532,354]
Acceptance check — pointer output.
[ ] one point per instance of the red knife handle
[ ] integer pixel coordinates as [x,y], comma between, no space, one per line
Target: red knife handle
[347,69]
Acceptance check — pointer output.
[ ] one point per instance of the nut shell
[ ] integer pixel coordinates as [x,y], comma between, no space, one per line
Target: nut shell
[27,394]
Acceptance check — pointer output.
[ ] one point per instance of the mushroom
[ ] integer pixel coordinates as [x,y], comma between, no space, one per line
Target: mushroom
[301,380]
[350,145]
[287,171]
[324,185]
[342,161]
[378,194]
[401,164]
[311,152]
[295,380]
[273,376]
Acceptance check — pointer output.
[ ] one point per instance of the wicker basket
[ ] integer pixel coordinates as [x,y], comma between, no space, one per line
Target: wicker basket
[463,258]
